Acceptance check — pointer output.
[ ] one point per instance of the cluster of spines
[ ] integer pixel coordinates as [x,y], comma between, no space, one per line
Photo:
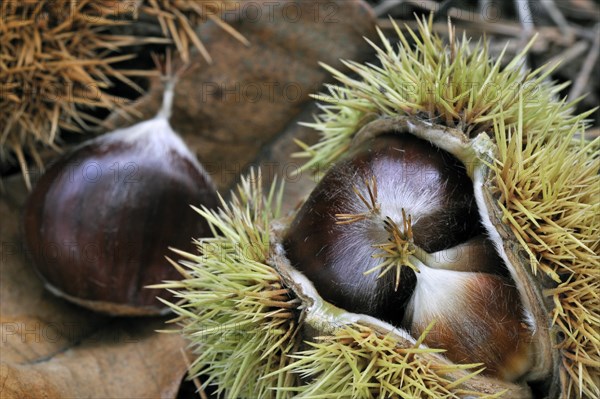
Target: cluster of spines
[395,252]
[357,362]
[239,317]
[549,191]
[177,19]
[546,180]
[54,66]
[454,85]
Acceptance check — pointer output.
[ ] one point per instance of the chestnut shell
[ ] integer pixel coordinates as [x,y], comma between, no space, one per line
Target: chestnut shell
[429,183]
[99,222]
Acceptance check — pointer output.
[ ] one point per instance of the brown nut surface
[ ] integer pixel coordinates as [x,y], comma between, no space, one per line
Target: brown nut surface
[99,223]
[397,174]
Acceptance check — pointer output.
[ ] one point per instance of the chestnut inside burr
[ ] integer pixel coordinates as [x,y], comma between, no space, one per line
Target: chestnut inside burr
[411,175]
[397,205]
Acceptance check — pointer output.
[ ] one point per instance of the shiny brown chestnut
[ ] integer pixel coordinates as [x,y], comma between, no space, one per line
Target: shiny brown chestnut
[477,318]
[100,221]
[334,238]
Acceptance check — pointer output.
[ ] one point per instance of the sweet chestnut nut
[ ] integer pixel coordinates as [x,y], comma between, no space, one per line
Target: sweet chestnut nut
[100,221]
[398,203]
[477,318]
[410,176]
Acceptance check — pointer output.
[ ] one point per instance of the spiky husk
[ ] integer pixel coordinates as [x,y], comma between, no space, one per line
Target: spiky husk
[549,192]
[177,19]
[239,317]
[357,362]
[247,321]
[54,67]
[545,181]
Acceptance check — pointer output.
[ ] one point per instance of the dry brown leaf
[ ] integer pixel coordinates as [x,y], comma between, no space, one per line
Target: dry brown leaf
[50,348]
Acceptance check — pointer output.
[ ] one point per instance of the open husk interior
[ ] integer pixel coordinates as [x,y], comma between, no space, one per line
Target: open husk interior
[259,327]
